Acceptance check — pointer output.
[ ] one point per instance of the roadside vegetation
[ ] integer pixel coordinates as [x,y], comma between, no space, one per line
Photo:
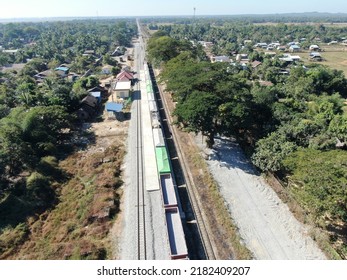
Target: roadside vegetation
[294,126]
[51,192]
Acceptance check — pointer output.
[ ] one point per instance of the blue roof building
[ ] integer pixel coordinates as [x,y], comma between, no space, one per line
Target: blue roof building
[113,107]
[62,68]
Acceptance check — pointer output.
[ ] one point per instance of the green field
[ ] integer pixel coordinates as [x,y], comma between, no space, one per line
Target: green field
[333,56]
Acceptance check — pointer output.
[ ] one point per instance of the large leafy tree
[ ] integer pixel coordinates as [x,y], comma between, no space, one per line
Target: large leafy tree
[271,151]
[198,114]
[226,101]
[26,135]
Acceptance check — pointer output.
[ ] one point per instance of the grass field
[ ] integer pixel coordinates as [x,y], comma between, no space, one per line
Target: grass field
[333,56]
[327,24]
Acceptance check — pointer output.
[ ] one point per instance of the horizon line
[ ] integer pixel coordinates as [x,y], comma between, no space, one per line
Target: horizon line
[176,15]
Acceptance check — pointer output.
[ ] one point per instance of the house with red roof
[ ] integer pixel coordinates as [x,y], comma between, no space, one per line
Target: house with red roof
[124,76]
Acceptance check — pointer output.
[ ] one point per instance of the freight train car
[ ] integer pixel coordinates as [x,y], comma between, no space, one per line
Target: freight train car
[177,240]
[170,197]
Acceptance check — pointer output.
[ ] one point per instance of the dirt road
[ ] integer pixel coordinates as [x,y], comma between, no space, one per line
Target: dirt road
[265,223]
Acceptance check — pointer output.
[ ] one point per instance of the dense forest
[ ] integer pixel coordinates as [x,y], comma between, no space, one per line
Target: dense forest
[294,127]
[38,117]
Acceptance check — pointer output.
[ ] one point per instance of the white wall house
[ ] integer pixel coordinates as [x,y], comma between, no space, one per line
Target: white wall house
[122,89]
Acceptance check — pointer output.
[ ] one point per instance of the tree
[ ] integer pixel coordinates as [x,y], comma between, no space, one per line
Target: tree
[338,127]
[16,153]
[318,181]
[197,113]
[271,151]
[162,49]
[107,59]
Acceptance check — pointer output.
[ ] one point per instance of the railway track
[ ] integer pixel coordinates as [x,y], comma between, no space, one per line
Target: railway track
[191,190]
[141,219]
[202,227]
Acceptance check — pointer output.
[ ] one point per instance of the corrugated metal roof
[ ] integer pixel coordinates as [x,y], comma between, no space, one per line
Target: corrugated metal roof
[123,85]
[115,107]
[62,68]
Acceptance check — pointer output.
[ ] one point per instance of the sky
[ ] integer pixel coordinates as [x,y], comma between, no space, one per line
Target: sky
[93,8]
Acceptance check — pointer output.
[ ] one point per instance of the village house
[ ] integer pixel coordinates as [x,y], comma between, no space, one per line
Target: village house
[266,83]
[314,48]
[316,56]
[49,73]
[124,76]
[64,69]
[89,107]
[98,89]
[205,44]
[261,45]
[221,58]
[272,54]
[13,52]
[242,57]
[294,48]
[97,95]
[122,89]
[107,69]
[290,58]
[114,110]
[255,64]
[88,53]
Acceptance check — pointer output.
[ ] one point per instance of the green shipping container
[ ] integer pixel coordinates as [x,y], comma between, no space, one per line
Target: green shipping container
[162,160]
[149,88]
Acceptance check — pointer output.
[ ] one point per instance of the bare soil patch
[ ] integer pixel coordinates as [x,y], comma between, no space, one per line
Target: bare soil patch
[78,226]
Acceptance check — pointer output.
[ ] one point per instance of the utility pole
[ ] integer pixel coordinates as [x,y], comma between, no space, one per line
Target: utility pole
[194,13]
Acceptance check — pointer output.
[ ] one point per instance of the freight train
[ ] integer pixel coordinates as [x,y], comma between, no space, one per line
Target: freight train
[170,199]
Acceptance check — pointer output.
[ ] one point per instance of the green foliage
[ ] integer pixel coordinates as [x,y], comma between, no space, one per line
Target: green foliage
[338,127]
[15,152]
[319,182]
[293,128]
[209,98]
[25,136]
[107,59]
[271,151]
[197,113]
[162,49]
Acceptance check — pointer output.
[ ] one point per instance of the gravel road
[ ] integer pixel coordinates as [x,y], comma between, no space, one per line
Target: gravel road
[265,223]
